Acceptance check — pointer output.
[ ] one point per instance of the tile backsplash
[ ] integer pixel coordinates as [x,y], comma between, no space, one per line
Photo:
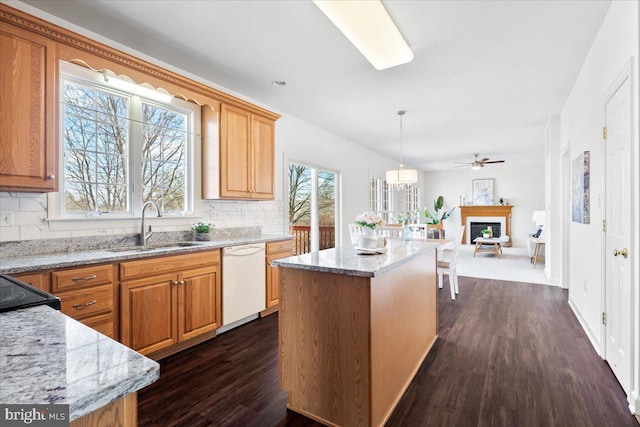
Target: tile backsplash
[30,218]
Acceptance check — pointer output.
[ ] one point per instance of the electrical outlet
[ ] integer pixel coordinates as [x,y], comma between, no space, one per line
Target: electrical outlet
[585,286]
[213,213]
[6,218]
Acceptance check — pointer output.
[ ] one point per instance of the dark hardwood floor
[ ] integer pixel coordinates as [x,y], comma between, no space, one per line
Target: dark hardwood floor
[508,354]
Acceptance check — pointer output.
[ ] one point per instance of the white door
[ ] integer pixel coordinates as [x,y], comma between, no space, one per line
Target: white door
[617,150]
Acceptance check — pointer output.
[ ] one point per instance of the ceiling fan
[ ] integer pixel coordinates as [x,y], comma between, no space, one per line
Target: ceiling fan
[478,163]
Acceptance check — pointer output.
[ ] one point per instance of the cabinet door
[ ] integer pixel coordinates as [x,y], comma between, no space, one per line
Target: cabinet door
[273,273]
[199,306]
[235,134]
[273,282]
[263,148]
[148,313]
[28,81]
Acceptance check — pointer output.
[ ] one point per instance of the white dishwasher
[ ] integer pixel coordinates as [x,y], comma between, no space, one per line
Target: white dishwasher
[243,281]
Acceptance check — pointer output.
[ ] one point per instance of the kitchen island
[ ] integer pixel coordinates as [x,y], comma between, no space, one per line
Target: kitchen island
[49,358]
[354,329]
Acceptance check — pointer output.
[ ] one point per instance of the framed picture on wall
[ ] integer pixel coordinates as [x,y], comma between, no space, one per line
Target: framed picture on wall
[580,191]
[483,192]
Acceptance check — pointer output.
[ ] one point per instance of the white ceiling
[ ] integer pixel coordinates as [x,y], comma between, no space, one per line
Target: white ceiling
[486,75]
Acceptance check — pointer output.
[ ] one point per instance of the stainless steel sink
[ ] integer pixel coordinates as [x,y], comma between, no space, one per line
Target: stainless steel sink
[146,248]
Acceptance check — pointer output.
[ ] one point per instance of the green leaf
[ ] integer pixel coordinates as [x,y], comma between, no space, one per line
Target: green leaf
[439,203]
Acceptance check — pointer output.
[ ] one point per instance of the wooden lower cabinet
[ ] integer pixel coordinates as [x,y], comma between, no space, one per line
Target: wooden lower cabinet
[88,295]
[38,280]
[199,302]
[275,250]
[159,311]
[148,313]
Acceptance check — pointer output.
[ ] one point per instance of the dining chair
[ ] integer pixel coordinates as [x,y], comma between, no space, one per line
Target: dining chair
[391,231]
[355,231]
[418,231]
[447,265]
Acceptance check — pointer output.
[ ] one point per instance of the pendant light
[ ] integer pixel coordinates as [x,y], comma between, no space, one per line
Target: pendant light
[402,178]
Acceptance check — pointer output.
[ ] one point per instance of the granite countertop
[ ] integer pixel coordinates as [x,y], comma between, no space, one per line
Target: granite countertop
[57,259]
[345,260]
[49,358]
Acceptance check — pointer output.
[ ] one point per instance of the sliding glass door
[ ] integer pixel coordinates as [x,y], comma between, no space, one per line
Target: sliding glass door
[313,207]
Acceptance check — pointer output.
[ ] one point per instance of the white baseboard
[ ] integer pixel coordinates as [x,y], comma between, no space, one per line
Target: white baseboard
[634,404]
[594,341]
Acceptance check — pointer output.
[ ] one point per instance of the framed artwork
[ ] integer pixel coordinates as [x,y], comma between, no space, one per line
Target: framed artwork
[483,192]
[580,186]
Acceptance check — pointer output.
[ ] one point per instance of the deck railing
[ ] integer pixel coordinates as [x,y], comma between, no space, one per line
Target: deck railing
[302,238]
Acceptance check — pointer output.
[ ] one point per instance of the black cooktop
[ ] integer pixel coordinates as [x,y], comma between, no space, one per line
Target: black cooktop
[15,294]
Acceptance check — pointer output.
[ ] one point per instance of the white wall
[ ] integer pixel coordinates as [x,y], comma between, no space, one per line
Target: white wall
[522,185]
[581,128]
[554,244]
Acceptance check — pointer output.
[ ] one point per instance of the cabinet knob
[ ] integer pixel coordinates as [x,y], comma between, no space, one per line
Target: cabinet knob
[175,282]
[51,176]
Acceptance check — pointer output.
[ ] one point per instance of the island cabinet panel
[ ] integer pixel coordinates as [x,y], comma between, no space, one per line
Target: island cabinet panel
[28,81]
[149,313]
[350,345]
[122,412]
[404,320]
[324,338]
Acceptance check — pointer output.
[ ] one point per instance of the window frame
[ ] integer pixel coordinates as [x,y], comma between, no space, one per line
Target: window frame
[91,78]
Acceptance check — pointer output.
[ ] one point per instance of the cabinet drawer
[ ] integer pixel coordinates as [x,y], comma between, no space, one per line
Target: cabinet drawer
[81,277]
[102,323]
[152,267]
[87,302]
[283,246]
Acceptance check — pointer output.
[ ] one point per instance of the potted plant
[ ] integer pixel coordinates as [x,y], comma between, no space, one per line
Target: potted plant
[486,233]
[501,201]
[436,217]
[368,221]
[202,229]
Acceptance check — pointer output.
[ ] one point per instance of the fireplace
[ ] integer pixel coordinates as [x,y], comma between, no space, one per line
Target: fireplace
[477,227]
[486,215]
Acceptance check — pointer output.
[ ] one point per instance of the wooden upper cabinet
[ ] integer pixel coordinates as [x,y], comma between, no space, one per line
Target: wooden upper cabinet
[28,82]
[247,147]
[235,153]
[263,156]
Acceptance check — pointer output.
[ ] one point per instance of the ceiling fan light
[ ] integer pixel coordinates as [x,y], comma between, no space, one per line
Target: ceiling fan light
[368,26]
[476,167]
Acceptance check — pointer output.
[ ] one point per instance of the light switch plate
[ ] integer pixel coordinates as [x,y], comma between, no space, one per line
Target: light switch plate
[6,218]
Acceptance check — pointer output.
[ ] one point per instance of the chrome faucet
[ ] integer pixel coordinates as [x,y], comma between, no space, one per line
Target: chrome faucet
[144,235]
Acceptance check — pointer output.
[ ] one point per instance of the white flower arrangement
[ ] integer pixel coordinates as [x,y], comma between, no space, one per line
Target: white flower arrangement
[368,219]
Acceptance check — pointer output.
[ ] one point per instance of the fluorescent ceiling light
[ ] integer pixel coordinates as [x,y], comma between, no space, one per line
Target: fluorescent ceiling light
[369,27]
[137,89]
